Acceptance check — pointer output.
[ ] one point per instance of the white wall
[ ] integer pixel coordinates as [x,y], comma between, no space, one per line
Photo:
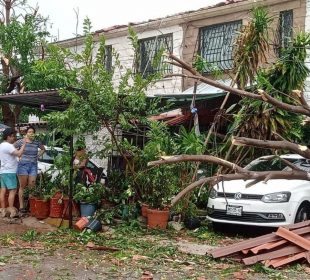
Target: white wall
[122,46]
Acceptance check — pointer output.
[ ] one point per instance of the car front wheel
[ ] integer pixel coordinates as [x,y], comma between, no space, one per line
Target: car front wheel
[303,213]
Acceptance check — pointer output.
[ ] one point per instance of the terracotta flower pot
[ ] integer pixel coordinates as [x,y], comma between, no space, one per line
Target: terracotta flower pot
[157,218]
[32,205]
[144,208]
[56,206]
[42,208]
[82,223]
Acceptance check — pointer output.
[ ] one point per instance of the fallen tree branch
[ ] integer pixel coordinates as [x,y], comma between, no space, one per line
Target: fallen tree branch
[287,107]
[251,175]
[302,99]
[262,95]
[199,158]
[267,144]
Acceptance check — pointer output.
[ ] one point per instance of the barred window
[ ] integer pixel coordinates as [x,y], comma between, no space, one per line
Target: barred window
[216,44]
[149,62]
[108,58]
[285,28]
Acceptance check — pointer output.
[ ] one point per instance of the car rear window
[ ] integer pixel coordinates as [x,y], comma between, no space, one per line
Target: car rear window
[269,165]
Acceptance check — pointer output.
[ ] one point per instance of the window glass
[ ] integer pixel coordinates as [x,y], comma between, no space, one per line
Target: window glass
[285,28]
[269,165]
[216,44]
[108,58]
[151,60]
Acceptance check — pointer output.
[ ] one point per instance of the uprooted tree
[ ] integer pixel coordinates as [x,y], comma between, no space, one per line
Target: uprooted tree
[278,87]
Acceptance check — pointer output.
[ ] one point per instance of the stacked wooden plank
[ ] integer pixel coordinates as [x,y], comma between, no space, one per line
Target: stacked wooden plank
[286,245]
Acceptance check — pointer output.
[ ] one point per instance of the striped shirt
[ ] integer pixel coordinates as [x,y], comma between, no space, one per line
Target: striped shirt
[30,153]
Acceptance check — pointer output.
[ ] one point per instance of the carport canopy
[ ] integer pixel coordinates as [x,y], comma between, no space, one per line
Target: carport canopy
[48,100]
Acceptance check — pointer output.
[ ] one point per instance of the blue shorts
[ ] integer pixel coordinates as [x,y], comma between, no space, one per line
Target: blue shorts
[9,181]
[27,168]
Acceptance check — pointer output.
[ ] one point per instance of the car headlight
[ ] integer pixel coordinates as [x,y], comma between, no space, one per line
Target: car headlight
[213,193]
[276,197]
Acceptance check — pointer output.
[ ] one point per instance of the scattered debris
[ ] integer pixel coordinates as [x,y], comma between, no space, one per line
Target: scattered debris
[139,257]
[146,275]
[194,248]
[286,245]
[92,246]
[175,225]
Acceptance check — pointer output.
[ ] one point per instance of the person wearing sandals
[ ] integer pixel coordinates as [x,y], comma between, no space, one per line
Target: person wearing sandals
[8,157]
[27,169]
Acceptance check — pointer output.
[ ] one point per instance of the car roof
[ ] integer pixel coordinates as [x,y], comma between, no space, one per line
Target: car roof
[285,156]
[53,148]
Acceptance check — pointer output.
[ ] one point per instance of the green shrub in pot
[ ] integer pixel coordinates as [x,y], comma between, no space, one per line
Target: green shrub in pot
[89,194]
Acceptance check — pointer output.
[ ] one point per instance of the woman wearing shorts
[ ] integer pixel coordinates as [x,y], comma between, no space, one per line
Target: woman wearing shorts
[27,169]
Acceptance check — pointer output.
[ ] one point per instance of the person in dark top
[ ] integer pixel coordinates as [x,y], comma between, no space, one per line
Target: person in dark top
[27,169]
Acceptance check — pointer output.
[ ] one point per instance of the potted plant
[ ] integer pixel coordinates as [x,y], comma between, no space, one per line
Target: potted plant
[89,197]
[57,198]
[156,184]
[162,187]
[42,193]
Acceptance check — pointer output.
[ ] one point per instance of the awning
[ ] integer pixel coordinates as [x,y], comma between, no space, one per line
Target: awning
[49,99]
[203,92]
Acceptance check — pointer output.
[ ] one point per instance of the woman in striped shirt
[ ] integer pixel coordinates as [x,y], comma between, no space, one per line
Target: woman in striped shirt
[27,169]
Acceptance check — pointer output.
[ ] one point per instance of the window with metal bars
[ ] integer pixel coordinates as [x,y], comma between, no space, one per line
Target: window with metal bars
[150,60]
[108,58]
[285,28]
[216,44]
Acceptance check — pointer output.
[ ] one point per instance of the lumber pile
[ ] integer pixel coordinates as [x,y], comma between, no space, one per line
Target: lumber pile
[276,249]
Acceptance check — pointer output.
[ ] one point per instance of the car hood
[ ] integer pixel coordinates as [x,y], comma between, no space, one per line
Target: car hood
[261,187]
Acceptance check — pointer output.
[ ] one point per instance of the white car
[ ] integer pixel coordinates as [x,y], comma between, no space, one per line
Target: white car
[46,161]
[276,203]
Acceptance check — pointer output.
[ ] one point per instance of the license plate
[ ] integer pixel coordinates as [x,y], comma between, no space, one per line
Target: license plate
[234,210]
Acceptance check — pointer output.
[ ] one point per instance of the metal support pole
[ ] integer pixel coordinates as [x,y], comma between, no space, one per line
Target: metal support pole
[71,182]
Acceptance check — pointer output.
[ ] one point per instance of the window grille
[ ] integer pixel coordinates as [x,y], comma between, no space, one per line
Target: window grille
[108,58]
[150,48]
[285,28]
[216,44]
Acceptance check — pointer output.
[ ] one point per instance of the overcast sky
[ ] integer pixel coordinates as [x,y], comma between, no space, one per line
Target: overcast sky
[105,13]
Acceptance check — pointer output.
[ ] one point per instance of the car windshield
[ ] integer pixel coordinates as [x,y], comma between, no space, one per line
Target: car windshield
[276,164]
[49,156]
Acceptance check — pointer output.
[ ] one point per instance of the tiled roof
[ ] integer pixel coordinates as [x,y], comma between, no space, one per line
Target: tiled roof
[286,245]
[220,4]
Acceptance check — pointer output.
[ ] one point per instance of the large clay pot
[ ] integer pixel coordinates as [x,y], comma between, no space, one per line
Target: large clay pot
[56,206]
[144,208]
[32,205]
[42,208]
[157,218]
